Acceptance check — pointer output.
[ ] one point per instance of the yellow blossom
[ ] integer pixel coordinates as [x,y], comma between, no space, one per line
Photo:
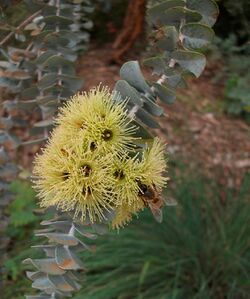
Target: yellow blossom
[96,118]
[154,165]
[74,179]
[127,173]
[124,214]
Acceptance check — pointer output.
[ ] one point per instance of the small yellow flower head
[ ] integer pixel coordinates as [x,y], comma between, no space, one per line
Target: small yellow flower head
[74,180]
[130,174]
[96,118]
[122,218]
[127,173]
[154,165]
[124,214]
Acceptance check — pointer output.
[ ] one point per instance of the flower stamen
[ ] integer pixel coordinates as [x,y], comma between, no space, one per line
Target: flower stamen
[86,191]
[86,170]
[93,146]
[107,134]
[65,175]
[119,174]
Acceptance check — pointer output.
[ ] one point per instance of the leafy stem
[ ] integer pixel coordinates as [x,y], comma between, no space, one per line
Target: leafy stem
[21,26]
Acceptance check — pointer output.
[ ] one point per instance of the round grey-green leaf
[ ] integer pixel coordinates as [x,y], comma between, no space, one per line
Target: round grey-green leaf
[165,94]
[196,36]
[157,63]
[57,20]
[60,283]
[48,265]
[67,260]
[156,12]
[191,61]
[152,107]
[207,8]
[131,72]
[144,117]
[128,92]
[170,39]
[175,15]
[44,123]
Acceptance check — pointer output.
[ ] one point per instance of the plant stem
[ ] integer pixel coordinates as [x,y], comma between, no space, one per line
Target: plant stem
[23,24]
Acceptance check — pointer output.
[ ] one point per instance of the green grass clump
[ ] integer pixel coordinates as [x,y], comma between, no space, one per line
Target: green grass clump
[200,251]
[21,209]
[20,230]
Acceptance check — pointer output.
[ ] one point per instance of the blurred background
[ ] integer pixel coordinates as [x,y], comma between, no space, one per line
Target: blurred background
[201,250]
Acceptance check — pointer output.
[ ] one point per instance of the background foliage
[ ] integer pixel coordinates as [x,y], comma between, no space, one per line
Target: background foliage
[234,18]
[232,29]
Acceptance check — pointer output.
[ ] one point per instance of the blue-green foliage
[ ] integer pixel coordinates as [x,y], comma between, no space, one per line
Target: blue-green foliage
[182,30]
[39,72]
[200,251]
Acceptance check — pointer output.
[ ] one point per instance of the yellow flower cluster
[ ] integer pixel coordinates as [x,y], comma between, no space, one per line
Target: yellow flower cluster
[91,165]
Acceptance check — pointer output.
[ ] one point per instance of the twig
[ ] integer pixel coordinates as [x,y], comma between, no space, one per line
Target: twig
[23,24]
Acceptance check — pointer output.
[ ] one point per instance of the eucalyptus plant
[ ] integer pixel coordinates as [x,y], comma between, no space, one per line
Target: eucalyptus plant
[102,165]
[182,29]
